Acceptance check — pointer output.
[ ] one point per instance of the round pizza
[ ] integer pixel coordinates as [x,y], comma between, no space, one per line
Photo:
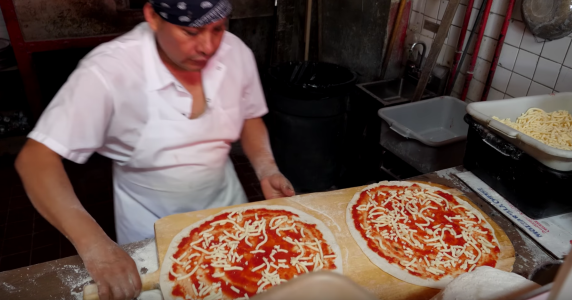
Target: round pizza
[419,233]
[239,253]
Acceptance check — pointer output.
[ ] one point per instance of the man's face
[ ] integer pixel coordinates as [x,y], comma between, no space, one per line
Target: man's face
[186,48]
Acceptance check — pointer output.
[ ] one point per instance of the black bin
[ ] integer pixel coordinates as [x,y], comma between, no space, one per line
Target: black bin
[307,103]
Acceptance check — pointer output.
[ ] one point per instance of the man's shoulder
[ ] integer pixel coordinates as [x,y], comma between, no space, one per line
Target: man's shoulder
[118,54]
[237,45]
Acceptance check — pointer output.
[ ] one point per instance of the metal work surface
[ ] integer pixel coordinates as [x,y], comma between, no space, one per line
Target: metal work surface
[64,278]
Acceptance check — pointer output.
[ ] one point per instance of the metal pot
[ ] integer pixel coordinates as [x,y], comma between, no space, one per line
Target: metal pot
[548,19]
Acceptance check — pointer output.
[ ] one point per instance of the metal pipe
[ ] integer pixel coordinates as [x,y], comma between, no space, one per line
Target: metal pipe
[471,36]
[393,37]
[498,50]
[460,44]
[308,28]
[482,28]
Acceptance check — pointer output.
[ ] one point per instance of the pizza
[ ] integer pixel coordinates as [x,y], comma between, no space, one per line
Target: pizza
[239,253]
[419,233]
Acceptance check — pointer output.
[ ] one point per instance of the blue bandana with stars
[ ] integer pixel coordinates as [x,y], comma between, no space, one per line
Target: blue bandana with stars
[192,13]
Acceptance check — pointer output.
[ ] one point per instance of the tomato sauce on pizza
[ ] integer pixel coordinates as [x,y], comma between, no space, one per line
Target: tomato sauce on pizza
[239,254]
[425,232]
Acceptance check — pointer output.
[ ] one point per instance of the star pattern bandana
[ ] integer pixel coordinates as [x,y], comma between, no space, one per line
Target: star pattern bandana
[192,13]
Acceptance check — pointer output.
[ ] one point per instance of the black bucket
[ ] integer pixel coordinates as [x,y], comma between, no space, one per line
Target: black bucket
[307,102]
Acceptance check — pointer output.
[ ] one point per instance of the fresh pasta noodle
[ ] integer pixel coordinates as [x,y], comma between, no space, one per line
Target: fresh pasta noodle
[553,129]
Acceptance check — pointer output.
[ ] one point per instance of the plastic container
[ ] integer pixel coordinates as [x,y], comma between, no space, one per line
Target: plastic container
[554,158]
[535,189]
[434,122]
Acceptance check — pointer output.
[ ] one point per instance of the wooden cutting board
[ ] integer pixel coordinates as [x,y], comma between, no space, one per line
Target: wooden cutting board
[330,208]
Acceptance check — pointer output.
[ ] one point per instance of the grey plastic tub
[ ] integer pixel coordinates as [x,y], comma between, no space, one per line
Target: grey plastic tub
[434,122]
[554,158]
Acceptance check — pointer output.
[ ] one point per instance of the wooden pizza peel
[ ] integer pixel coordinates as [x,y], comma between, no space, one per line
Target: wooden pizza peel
[330,208]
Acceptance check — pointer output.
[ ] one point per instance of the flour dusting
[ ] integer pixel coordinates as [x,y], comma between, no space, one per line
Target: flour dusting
[147,262]
[74,277]
[8,287]
[449,174]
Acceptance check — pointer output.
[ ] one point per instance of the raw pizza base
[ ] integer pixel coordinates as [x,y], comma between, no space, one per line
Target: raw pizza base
[167,285]
[383,264]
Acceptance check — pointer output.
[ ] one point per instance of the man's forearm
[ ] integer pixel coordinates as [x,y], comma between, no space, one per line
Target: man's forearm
[256,146]
[51,193]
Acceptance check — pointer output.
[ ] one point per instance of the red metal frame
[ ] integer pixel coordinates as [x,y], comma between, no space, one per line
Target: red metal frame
[482,28]
[498,50]
[460,44]
[23,51]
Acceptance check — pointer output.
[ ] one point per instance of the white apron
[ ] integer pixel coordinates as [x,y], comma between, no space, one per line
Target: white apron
[179,165]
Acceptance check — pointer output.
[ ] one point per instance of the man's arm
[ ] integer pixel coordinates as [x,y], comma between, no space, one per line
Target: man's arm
[254,139]
[51,193]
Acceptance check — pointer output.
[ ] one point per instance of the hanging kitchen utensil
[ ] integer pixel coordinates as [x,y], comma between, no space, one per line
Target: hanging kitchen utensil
[548,19]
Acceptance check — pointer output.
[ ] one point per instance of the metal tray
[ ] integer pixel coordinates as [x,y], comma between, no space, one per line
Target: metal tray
[551,157]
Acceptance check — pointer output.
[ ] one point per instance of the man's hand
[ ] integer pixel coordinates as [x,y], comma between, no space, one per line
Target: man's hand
[113,270]
[276,186]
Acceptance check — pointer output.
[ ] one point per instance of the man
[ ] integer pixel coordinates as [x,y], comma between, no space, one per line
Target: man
[164,102]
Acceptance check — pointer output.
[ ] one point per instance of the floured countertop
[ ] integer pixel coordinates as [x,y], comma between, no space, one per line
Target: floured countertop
[65,278]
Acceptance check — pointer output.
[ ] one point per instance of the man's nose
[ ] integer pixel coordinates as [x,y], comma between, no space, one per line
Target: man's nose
[206,45]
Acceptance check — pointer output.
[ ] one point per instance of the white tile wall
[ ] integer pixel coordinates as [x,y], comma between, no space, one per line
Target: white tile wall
[432,8]
[564,83]
[538,89]
[448,54]
[475,90]
[518,85]
[426,32]
[568,59]
[459,15]
[556,50]
[508,56]
[530,44]
[546,72]
[453,36]
[418,5]
[416,21]
[514,33]
[495,95]
[501,79]
[527,65]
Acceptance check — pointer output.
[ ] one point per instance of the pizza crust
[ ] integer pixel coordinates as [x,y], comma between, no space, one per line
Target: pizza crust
[167,285]
[392,269]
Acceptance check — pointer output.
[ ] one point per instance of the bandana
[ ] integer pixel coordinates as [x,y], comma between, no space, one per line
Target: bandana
[192,13]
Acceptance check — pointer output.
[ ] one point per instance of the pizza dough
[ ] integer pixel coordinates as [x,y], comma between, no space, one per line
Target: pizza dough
[268,230]
[486,283]
[414,253]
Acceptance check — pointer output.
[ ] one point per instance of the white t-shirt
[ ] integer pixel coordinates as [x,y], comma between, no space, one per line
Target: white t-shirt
[102,106]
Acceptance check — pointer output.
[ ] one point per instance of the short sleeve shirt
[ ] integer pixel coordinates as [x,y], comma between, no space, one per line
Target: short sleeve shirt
[103,105]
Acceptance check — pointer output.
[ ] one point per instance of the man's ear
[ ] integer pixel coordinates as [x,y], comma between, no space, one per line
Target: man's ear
[151,16]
